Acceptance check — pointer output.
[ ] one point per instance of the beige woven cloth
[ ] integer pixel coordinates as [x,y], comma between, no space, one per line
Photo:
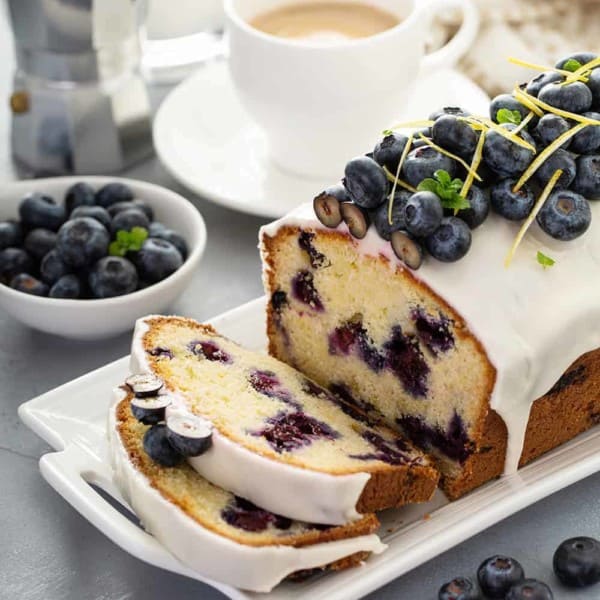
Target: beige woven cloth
[539,31]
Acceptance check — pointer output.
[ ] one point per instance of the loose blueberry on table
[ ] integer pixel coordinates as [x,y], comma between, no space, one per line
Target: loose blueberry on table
[577,562]
[460,588]
[497,574]
[539,147]
[96,244]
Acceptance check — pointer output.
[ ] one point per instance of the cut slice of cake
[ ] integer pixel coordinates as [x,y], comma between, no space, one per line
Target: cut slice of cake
[216,533]
[452,355]
[279,439]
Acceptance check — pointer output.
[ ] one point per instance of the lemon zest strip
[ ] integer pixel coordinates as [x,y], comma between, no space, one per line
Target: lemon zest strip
[509,135]
[401,183]
[474,166]
[541,158]
[532,215]
[583,71]
[557,111]
[523,123]
[449,155]
[523,98]
[535,67]
[403,156]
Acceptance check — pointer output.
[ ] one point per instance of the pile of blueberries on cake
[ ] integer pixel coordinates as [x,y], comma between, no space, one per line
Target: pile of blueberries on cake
[96,244]
[426,192]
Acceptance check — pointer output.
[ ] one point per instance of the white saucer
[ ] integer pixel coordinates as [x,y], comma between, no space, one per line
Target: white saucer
[206,140]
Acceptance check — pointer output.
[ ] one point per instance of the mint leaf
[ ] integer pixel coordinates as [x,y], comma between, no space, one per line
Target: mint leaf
[116,249]
[128,241]
[387,132]
[446,189]
[544,260]
[137,236]
[505,115]
[572,65]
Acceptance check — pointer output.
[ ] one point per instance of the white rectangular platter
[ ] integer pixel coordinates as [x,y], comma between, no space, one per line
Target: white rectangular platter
[72,420]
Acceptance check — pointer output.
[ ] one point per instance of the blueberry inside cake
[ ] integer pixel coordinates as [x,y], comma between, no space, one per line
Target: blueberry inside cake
[273,411]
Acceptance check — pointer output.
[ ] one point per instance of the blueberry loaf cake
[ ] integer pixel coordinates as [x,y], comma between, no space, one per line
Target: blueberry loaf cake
[278,439]
[449,283]
[224,537]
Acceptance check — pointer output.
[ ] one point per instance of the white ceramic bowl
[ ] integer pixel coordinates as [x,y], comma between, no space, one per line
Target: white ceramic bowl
[95,319]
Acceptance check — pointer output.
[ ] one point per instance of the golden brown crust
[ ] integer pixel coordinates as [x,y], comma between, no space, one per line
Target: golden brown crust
[155,473]
[570,408]
[386,487]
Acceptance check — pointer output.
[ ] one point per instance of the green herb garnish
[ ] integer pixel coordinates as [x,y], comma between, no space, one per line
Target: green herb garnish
[505,115]
[572,65]
[128,241]
[387,132]
[446,189]
[544,260]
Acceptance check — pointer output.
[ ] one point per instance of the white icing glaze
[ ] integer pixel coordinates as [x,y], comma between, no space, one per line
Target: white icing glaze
[533,322]
[284,489]
[249,567]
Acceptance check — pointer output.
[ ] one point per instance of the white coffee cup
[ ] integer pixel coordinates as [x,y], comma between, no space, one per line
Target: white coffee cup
[321,104]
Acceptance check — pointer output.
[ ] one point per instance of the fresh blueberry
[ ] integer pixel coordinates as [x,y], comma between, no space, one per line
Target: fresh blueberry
[67,286]
[175,238]
[587,179]
[38,210]
[450,241]
[52,267]
[366,182]
[551,127]
[28,284]
[455,135]
[574,97]
[157,259]
[508,102]
[38,242]
[477,213]
[93,212]
[497,574]
[357,219]
[407,249]
[14,261]
[581,57]
[126,220]
[82,241]
[388,151]
[380,216]
[539,81]
[456,111]
[422,163]
[529,589]
[189,435]
[157,446]
[79,194]
[594,85]
[11,234]
[112,276]
[514,206]
[565,215]
[112,193]
[559,159]
[118,207]
[155,228]
[588,139]
[576,562]
[460,588]
[423,213]
[327,206]
[505,157]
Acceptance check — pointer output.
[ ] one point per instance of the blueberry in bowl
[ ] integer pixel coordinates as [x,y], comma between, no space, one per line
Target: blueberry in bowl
[73,303]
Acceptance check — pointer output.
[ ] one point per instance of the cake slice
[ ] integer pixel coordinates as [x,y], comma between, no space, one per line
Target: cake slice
[461,358]
[216,533]
[279,440]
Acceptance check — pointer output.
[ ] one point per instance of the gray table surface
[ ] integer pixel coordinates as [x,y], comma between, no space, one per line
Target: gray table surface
[48,551]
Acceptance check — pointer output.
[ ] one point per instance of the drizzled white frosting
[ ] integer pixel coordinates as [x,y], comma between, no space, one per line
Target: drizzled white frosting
[533,322]
[255,568]
[297,493]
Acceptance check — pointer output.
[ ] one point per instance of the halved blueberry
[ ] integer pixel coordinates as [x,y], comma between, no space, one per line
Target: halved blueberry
[144,384]
[460,588]
[158,448]
[356,218]
[151,410]
[327,205]
[407,249]
[188,434]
